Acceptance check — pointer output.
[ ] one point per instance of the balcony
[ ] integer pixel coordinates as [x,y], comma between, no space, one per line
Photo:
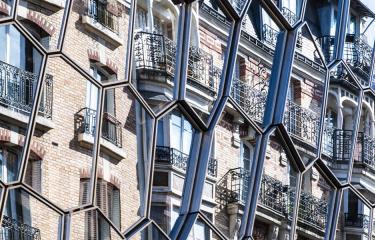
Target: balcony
[15,230]
[270,35]
[102,22]
[155,55]
[251,100]
[312,211]
[178,159]
[302,123]
[365,150]
[337,144]
[17,94]
[289,15]
[357,52]
[356,220]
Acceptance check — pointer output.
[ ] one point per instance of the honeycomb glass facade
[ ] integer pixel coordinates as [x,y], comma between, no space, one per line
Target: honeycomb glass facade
[173,119]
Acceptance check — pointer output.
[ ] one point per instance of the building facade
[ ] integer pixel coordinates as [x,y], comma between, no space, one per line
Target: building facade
[209,119]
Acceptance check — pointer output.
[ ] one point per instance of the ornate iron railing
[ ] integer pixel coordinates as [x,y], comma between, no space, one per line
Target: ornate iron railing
[289,15]
[270,34]
[15,230]
[158,53]
[17,90]
[252,101]
[273,194]
[111,129]
[357,52]
[342,145]
[328,141]
[365,150]
[233,186]
[179,159]
[97,10]
[312,211]
[356,220]
[302,123]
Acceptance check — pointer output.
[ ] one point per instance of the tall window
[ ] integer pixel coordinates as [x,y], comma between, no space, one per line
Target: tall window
[9,164]
[181,133]
[108,200]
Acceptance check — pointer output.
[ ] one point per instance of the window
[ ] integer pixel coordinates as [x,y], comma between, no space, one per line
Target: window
[108,200]
[9,160]
[181,133]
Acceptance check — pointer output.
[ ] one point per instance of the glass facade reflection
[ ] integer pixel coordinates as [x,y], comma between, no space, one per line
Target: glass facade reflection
[167,119]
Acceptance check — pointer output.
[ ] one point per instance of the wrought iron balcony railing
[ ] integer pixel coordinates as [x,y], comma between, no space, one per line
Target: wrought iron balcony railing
[12,229]
[312,211]
[356,220]
[289,15]
[270,34]
[337,144]
[157,53]
[97,10]
[302,123]
[273,194]
[111,129]
[179,159]
[357,52]
[365,150]
[17,90]
[233,186]
[252,101]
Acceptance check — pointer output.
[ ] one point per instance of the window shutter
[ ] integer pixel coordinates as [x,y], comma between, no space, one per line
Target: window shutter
[116,210]
[36,176]
[90,216]
[101,196]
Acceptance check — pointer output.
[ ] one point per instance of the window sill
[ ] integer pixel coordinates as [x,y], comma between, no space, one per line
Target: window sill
[53,5]
[87,140]
[21,119]
[91,25]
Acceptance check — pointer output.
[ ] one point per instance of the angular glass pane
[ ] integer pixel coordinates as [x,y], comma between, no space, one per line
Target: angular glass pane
[354,218]
[232,154]
[276,201]
[202,231]
[290,9]
[154,52]
[96,38]
[304,103]
[150,232]
[125,158]
[61,150]
[175,134]
[340,120]
[92,225]
[207,54]
[25,217]
[252,73]
[43,20]
[20,66]
[315,203]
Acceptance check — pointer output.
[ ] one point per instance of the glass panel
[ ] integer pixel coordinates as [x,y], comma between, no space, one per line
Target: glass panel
[154,52]
[173,154]
[150,232]
[202,231]
[61,153]
[125,157]
[6,7]
[276,201]
[25,217]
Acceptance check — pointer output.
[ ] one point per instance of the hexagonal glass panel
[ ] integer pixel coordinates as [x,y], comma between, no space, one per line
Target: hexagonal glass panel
[175,135]
[96,38]
[150,232]
[340,121]
[154,51]
[125,158]
[43,20]
[251,74]
[20,66]
[25,217]
[92,225]
[232,152]
[201,230]
[315,204]
[354,219]
[290,9]
[278,188]
[61,150]
[305,98]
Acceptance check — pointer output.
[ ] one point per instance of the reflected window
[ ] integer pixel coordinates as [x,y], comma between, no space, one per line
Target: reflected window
[9,160]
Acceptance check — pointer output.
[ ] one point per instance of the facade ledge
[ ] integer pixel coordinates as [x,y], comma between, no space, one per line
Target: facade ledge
[96,28]
[87,140]
[21,119]
[53,5]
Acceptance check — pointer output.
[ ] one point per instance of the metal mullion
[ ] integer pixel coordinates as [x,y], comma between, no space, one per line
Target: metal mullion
[65,21]
[343,14]
[129,50]
[323,114]
[333,221]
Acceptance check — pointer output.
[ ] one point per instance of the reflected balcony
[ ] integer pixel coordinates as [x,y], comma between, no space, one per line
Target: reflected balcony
[357,52]
[302,123]
[16,230]
[17,93]
[312,212]
[289,15]
[98,11]
[337,144]
[356,220]
[178,159]
[250,99]
[111,131]
[155,59]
